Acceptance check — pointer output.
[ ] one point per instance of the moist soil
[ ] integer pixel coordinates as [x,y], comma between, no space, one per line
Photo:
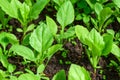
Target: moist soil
[75,53]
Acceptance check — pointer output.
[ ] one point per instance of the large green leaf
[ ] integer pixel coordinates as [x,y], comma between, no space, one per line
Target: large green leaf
[11,8]
[108,39]
[78,73]
[52,25]
[117,2]
[23,51]
[41,38]
[95,42]
[28,76]
[65,14]
[98,8]
[37,8]
[82,33]
[60,75]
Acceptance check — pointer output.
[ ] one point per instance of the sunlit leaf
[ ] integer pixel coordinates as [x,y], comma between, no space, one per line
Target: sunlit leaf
[65,14]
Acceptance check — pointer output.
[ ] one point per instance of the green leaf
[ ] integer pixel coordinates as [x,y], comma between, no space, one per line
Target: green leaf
[59,2]
[11,8]
[98,8]
[26,40]
[82,33]
[30,27]
[28,76]
[41,38]
[65,14]
[52,25]
[108,39]
[4,61]
[59,75]
[104,15]
[6,38]
[53,49]
[78,73]
[24,13]
[117,2]
[68,34]
[11,68]
[37,8]
[95,42]
[23,51]
[115,50]
[40,69]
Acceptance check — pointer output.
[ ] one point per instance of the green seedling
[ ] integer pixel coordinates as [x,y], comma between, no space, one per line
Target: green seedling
[65,16]
[103,14]
[3,19]
[41,41]
[5,40]
[97,45]
[75,73]
[24,12]
[116,51]
[23,76]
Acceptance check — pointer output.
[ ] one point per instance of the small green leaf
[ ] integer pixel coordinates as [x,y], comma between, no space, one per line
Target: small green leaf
[19,30]
[98,8]
[26,40]
[11,68]
[53,49]
[40,69]
[104,15]
[78,73]
[52,25]
[37,8]
[65,14]
[82,33]
[117,2]
[59,75]
[115,50]
[108,39]
[30,27]
[6,38]
[4,61]
[23,51]
[68,34]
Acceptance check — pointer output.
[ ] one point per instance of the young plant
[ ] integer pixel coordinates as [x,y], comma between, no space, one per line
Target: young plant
[4,75]
[102,14]
[97,45]
[75,73]
[41,41]
[5,40]
[116,51]
[24,12]
[3,19]
[65,16]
